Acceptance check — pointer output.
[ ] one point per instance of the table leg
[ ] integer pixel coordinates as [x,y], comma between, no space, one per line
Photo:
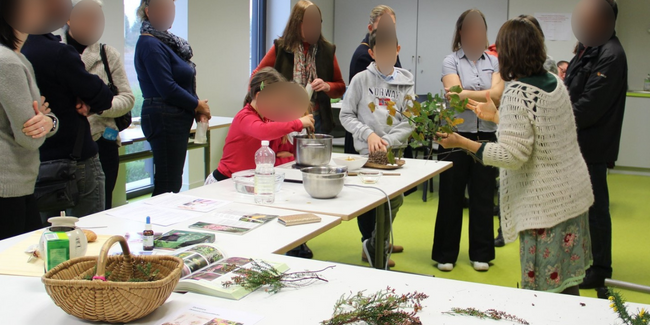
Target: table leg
[206,156]
[380,244]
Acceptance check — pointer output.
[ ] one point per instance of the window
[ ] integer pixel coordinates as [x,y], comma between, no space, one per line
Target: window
[258,32]
[139,174]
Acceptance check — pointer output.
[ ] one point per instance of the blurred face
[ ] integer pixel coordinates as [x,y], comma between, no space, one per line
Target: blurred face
[29,17]
[473,35]
[161,14]
[593,22]
[311,25]
[561,70]
[58,12]
[87,22]
[282,101]
[385,55]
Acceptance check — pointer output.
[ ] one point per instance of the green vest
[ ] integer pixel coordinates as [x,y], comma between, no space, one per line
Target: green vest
[325,71]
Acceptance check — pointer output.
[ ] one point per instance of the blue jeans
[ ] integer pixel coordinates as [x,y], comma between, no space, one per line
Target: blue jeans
[167,128]
[92,190]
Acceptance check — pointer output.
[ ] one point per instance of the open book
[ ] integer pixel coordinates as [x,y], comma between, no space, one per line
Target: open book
[207,268]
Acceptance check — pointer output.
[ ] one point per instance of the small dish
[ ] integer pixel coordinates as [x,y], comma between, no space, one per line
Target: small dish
[370,177]
[351,162]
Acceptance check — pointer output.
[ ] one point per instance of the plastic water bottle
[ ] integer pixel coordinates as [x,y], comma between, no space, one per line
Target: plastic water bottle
[264,174]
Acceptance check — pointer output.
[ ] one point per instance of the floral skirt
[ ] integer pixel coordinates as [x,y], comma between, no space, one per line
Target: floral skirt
[556,258]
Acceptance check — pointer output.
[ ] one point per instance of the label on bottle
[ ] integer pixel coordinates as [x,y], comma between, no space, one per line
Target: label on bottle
[147,242]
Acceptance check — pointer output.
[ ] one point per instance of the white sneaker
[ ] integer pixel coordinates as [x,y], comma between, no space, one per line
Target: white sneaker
[445,267]
[481,266]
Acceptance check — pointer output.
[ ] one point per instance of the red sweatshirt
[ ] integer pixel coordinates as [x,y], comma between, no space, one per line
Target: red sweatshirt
[246,133]
[337,87]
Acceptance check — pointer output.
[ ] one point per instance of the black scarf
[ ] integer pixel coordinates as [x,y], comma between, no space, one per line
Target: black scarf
[179,45]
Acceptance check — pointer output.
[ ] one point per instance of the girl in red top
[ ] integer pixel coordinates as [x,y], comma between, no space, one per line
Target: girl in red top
[249,128]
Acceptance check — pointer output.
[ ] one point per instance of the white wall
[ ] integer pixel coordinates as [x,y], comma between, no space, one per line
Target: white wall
[559,50]
[219,31]
[634,33]
[114,29]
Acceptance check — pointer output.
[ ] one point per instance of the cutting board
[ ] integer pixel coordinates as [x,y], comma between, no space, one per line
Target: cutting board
[399,165]
[13,261]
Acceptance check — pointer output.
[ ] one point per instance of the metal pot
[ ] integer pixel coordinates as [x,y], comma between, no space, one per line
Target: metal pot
[324,182]
[313,152]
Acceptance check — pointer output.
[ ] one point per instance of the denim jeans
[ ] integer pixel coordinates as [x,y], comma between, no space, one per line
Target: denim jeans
[92,191]
[167,128]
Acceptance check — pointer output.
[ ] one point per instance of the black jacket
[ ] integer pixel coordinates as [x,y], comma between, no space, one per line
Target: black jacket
[62,78]
[361,59]
[597,83]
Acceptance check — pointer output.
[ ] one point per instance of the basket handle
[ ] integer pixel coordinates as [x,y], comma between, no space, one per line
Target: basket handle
[103,255]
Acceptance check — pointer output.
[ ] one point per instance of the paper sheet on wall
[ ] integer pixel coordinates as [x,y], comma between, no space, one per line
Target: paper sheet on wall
[556,26]
[205,315]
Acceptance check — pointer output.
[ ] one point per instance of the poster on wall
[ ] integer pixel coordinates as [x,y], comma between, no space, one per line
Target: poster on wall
[556,26]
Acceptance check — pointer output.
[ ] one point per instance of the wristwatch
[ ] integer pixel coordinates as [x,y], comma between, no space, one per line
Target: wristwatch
[55,122]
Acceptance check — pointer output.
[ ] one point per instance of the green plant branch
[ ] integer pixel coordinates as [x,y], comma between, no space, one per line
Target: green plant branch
[263,274]
[618,305]
[488,314]
[384,307]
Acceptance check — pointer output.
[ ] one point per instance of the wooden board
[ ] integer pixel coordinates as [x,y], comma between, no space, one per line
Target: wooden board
[13,261]
[399,164]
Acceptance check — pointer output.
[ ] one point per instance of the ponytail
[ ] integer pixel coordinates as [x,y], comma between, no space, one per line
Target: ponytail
[265,76]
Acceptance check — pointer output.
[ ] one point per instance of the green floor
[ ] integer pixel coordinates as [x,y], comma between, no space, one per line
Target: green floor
[630,206]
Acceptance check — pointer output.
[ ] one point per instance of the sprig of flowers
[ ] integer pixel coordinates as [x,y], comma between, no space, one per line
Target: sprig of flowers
[618,305]
[488,314]
[262,274]
[384,307]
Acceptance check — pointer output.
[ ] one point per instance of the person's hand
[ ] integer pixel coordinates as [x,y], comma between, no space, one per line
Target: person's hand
[82,108]
[449,93]
[485,111]
[375,143]
[285,154]
[308,122]
[320,85]
[285,139]
[204,109]
[449,141]
[39,125]
[45,107]
[201,118]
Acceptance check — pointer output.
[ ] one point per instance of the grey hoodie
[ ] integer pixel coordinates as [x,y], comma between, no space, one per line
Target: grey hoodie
[370,86]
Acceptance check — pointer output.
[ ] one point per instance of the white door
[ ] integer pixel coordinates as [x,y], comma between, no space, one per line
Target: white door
[436,25]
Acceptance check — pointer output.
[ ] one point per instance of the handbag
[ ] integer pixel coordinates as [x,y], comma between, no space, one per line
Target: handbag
[56,185]
[125,120]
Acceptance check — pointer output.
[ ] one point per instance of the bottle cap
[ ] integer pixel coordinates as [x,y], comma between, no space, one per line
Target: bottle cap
[148,225]
[265,143]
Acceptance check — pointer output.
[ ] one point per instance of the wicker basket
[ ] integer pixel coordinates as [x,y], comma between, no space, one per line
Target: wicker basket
[108,297]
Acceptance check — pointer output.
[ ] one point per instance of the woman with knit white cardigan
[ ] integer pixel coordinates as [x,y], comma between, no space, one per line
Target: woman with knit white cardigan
[83,31]
[545,187]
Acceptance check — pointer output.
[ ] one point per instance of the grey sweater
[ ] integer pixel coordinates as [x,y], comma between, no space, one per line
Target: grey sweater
[370,86]
[19,155]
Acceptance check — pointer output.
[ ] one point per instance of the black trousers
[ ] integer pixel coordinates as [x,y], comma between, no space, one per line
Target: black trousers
[109,156]
[481,181]
[349,144]
[600,222]
[18,215]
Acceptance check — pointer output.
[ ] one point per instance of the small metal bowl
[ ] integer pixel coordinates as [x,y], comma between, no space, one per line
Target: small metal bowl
[324,182]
